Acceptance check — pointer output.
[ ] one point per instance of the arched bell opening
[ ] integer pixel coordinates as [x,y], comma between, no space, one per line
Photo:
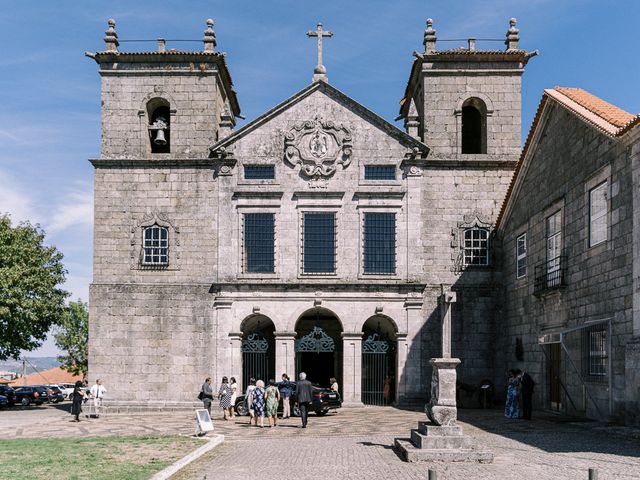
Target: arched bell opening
[474,126]
[318,346]
[379,360]
[258,349]
[159,115]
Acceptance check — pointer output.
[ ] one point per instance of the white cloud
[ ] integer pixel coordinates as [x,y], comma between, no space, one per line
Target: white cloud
[76,209]
[16,200]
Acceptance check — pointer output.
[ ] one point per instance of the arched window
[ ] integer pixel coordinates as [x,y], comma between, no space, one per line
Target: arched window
[476,246]
[159,115]
[155,246]
[474,126]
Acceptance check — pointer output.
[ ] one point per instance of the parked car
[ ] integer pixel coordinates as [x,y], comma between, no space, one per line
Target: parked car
[4,401]
[324,399]
[66,388]
[9,392]
[29,394]
[55,394]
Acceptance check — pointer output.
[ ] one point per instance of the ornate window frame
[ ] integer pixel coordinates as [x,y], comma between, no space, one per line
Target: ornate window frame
[470,221]
[137,242]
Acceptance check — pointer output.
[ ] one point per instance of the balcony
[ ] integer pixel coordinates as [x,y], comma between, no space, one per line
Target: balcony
[550,275]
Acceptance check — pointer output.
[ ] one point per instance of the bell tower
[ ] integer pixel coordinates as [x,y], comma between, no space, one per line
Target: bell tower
[463,101]
[164,104]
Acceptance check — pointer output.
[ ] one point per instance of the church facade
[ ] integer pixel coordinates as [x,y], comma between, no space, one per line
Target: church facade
[318,237]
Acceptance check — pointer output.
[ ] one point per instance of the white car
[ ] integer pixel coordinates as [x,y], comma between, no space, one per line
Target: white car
[66,389]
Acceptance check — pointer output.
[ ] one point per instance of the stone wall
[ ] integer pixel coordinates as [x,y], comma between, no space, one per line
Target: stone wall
[568,160]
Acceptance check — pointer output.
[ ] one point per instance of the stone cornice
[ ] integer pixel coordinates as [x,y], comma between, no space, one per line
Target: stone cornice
[153,162]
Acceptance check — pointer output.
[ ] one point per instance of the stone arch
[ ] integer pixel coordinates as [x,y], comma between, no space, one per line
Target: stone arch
[486,100]
[379,372]
[257,348]
[320,310]
[472,112]
[369,322]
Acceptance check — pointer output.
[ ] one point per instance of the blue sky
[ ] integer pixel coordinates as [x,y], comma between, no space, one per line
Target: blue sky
[50,92]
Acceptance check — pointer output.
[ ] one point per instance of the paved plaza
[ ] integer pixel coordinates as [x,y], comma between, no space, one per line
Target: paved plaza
[357,443]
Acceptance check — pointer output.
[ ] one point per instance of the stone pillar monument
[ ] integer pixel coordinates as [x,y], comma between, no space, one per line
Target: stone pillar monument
[441,439]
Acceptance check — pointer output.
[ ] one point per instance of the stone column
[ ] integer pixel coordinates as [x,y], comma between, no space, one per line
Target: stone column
[414,389]
[403,350]
[352,370]
[235,359]
[220,339]
[285,354]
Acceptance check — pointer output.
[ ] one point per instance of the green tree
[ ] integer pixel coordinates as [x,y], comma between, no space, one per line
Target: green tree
[31,301]
[72,337]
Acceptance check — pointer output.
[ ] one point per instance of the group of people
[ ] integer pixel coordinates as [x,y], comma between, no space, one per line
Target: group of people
[262,401]
[80,396]
[227,394]
[519,395]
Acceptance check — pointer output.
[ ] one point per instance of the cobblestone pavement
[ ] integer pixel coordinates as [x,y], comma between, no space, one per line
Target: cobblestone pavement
[356,444]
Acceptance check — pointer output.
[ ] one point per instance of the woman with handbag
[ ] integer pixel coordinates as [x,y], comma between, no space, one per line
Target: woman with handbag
[206,394]
[224,395]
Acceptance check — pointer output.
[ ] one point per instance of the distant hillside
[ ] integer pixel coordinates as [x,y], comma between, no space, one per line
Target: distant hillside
[33,364]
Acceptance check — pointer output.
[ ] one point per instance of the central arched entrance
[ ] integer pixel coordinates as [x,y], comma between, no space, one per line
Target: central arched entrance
[318,346]
[258,349]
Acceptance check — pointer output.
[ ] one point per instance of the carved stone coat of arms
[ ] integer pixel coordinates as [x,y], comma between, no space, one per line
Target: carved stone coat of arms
[318,147]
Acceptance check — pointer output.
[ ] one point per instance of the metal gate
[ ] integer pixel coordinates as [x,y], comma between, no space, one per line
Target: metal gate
[255,357]
[377,365]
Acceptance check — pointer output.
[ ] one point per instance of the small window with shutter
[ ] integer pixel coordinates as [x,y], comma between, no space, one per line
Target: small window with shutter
[598,214]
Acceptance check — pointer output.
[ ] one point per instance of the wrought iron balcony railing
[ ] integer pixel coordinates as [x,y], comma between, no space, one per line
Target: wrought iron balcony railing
[550,275]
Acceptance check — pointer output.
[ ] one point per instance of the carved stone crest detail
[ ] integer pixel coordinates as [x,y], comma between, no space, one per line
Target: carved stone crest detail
[318,147]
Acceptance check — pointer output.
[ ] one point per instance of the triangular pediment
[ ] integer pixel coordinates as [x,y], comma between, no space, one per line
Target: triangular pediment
[333,94]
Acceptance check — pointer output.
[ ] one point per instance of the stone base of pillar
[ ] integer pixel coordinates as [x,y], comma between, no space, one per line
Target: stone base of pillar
[352,404]
[441,439]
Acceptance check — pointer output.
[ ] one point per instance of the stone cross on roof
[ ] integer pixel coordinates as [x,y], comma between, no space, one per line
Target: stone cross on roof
[320,72]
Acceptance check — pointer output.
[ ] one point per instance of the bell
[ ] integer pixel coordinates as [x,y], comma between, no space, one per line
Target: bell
[160,140]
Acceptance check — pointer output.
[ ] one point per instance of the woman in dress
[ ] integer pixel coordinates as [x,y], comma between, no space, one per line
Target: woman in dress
[258,402]
[272,397]
[248,396]
[78,397]
[512,407]
[224,395]
[234,389]
[334,385]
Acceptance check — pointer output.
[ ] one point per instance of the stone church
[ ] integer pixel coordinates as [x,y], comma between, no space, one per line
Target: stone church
[318,237]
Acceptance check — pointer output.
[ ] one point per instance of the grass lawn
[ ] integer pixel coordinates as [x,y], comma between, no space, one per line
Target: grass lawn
[93,458]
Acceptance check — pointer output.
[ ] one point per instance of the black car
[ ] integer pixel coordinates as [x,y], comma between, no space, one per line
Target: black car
[55,394]
[324,400]
[9,392]
[4,401]
[30,394]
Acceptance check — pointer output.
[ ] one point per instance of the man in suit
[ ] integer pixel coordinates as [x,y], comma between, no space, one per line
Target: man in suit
[304,394]
[526,387]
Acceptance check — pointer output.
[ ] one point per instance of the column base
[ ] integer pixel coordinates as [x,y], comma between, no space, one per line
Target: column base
[353,404]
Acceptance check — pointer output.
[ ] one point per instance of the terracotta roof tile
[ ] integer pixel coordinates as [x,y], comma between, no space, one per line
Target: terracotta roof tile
[612,114]
[46,377]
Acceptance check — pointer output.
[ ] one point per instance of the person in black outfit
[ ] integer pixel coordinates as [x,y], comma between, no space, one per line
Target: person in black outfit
[526,388]
[304,393]
[78,397]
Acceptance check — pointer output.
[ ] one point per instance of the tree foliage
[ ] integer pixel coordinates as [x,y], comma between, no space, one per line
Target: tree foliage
[31,301]
[72,337]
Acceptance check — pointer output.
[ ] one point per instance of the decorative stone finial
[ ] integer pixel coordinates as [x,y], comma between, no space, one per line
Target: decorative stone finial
[111,36]
[429,37]
[209,37]
[512,35]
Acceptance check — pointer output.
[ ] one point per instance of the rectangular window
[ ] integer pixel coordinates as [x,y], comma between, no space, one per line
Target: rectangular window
[554,244]
[379,243]
[521,256]
[598,214]
[156,246]
[379,172]
[319,243]
[259,172]
[476,246]
[595,347]
[259,242]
